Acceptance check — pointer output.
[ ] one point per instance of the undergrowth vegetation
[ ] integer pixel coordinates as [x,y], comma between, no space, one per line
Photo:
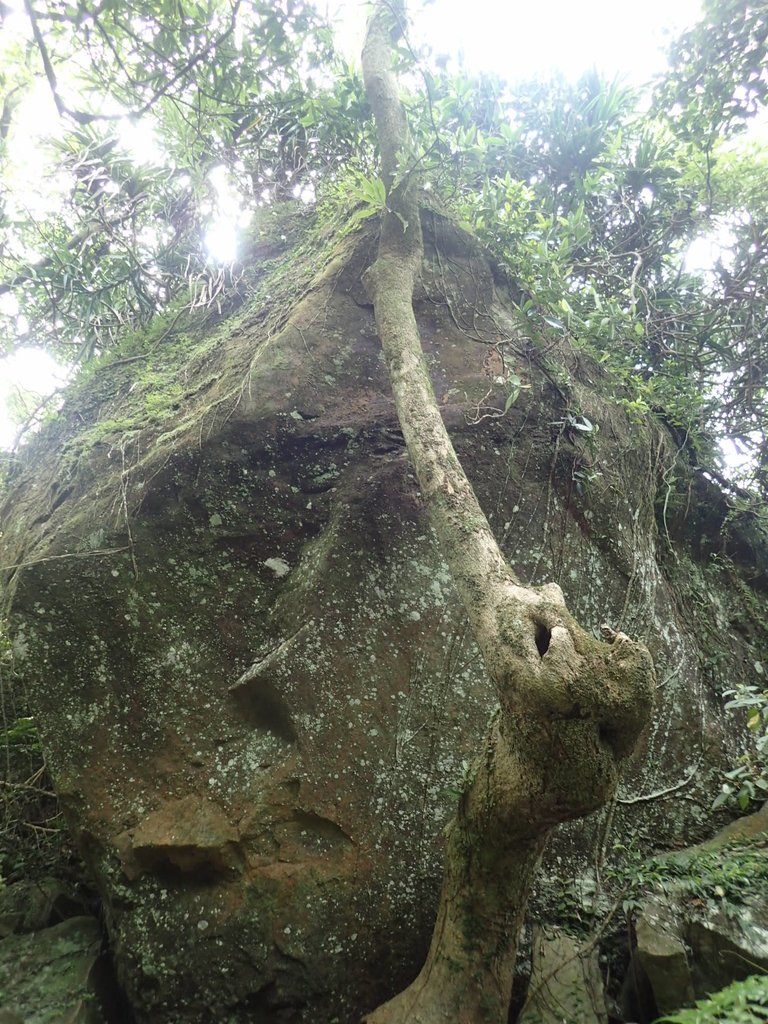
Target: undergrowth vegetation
[32,839]
[743,1002]
[733,874]
[748,781]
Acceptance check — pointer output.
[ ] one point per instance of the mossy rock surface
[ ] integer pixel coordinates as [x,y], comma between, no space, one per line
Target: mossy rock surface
[252,678]
[50,976]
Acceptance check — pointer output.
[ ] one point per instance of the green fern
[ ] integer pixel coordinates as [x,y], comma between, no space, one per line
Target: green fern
[369,194]
[743,1002]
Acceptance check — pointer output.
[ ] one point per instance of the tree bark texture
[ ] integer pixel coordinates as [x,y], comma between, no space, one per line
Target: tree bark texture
[571,706]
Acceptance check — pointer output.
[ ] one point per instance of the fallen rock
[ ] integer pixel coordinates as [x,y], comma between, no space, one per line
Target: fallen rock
[693,941]
[727,944]
[29,906]
[51,976]
[663,956]
[566,985]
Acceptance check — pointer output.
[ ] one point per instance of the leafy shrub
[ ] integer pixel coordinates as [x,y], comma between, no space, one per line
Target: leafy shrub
[743,1002]
[734,873]
[749,780]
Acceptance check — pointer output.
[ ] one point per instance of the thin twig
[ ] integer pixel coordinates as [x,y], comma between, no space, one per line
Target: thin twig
[27,788]
[50,74]
[70,554]
[124,502]
[659,793]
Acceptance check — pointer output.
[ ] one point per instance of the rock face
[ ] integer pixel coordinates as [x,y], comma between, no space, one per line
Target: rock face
[692,943]
[254,684]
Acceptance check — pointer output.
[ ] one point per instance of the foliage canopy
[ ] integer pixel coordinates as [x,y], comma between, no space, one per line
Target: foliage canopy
[589,193]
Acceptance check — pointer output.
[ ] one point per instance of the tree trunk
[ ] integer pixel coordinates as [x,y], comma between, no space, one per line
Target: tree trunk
[571,707]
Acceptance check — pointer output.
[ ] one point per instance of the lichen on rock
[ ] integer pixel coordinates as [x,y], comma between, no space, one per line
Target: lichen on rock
[258,765]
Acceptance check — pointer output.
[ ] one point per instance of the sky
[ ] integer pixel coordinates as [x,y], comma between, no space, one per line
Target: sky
[514,40]
[518,40]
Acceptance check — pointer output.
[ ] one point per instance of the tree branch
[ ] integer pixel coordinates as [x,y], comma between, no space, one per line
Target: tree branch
[84,118]
[50,74]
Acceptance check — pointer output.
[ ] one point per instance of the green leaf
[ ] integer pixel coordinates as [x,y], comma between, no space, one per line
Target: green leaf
[512,397]
[555,322]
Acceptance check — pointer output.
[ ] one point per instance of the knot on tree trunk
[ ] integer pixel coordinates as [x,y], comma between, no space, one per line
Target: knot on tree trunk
[541,657]
[572,709]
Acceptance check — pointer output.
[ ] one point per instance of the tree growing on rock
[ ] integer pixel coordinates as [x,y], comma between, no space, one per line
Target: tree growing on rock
[571,707]
[257,652]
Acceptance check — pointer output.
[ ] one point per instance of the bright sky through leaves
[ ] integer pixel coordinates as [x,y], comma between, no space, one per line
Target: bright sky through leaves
[521,40]
[26,378]
[510,39]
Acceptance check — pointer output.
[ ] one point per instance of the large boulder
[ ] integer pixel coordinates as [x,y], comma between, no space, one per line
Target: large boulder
[53,976]
[255,686]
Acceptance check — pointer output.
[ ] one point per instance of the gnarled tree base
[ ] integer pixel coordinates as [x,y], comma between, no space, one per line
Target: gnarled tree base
[533,773]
